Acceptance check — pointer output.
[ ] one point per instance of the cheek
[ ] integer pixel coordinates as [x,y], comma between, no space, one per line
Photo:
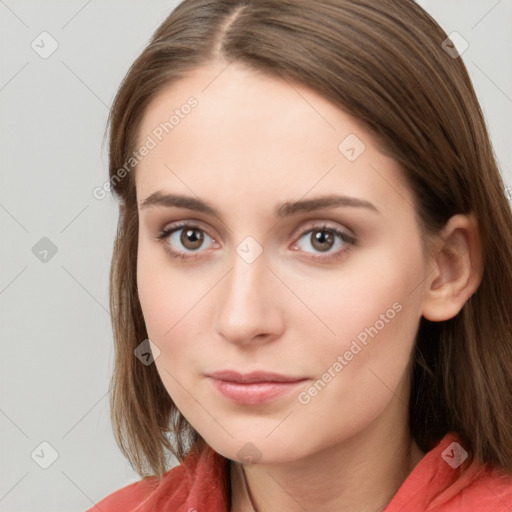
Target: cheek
[373,311]
[173,303]
[170,304]
[373,289]
[155,298]
[362,370]
[165,293]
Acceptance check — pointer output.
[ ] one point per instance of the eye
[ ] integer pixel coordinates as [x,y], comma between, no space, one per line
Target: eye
[185,240]
[325,239]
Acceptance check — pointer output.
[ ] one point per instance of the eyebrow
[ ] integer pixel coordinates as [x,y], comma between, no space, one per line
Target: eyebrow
[286,209]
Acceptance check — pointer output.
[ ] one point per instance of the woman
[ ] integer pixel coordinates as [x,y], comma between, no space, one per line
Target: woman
[311,279]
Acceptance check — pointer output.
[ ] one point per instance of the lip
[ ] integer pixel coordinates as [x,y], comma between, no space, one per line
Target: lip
[252,377]
[253,388]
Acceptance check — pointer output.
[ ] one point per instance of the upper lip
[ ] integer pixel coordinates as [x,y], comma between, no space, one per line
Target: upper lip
[256,376]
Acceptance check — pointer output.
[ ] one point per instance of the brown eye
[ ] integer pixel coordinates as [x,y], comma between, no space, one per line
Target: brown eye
[325,239]
[185,241]
[322,240]
[192,238]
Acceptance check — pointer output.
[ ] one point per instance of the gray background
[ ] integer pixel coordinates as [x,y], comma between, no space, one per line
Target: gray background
[56,352]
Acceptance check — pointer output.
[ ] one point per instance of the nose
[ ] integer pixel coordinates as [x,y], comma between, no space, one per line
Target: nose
[250,303]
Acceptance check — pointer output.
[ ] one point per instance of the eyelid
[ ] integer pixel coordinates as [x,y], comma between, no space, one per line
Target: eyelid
[347,236]
[182,224]
[311,225]
[319,223]
[171,228]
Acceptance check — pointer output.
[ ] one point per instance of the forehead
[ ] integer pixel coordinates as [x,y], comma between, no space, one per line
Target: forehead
[259,135]
[233,96]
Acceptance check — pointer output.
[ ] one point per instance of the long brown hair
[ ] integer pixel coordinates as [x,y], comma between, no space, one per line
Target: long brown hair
[382,61]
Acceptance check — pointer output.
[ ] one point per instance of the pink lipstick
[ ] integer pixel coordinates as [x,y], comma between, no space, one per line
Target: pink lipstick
[253,388]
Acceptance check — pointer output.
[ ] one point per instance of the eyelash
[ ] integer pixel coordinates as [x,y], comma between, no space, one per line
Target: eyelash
[345,237]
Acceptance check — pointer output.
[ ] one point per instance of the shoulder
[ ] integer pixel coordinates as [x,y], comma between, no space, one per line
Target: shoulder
[446,480]
[483,490]
[463,485]
[128,498]
[473,487]
[132,497]
[199,479]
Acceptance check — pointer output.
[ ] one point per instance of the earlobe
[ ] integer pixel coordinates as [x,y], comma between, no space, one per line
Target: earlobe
[456,258]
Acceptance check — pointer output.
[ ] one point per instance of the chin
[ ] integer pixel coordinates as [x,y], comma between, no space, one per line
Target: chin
[259,448]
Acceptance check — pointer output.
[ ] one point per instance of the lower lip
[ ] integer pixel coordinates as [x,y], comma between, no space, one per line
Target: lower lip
[255,393]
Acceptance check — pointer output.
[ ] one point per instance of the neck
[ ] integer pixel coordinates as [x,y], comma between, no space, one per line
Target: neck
[361,474]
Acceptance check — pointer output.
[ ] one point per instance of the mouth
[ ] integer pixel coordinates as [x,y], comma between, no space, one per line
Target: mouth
[255,387]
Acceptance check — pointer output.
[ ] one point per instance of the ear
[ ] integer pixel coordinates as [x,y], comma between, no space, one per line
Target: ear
[456,257]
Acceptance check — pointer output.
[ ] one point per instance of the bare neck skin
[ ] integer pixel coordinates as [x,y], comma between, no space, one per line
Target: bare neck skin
[361,474]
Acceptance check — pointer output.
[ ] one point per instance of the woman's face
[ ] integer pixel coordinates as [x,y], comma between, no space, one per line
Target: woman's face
[295,249]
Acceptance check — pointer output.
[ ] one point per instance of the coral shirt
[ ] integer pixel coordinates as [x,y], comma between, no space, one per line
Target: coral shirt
[440,482]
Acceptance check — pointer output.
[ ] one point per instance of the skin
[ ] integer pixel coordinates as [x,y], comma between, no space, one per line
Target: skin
[252,143]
